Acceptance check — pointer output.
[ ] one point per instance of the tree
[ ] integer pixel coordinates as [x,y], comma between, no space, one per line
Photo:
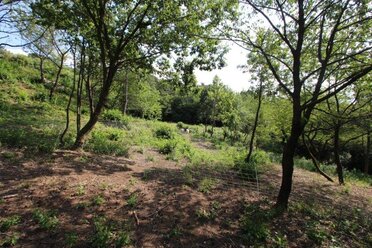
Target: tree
[303,44]
[132,31]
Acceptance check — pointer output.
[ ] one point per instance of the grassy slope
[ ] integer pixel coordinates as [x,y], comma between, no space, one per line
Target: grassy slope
[69,198]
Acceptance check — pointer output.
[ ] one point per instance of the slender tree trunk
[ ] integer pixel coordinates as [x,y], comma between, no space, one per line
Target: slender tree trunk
[251,142]
[79,90]
[366,153]
[60,67]
[336,149]
[315,161]
[61,138]
[126,85]
[41,68]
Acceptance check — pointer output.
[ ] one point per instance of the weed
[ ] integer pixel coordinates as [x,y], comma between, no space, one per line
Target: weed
[132,181]
[122,239]
[175,233]
[106,235]
[103,186]
[132,200]
[9,155]
[150,158]
[10,240]
[71,239]
[97,200]
[82,205]
[316,233]
[254,224]
[102,233]
[6,223]
[210,214]
[80,190]
[46,219]
[279,241]
[207,184]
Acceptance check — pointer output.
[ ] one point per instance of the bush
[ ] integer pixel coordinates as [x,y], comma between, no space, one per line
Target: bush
[108,141]
[258,159]
[164,133]
[180,124]
[168,148]
[114,115]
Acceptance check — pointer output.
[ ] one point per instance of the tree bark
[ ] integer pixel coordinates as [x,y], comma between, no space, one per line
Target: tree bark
[60,67]
[41,68]
[126,85]
[62,142]
[315,161]
[336,145]
[248,158]
[82,134]
[366,154]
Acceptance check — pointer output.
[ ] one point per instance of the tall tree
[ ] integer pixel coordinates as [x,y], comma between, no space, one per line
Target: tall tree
[303,44]
[133,31]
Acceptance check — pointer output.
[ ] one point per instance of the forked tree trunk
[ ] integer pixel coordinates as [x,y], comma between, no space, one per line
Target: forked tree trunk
[248,158]
[82,134]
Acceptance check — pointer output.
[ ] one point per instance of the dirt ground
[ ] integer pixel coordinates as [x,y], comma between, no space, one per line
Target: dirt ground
[168,211]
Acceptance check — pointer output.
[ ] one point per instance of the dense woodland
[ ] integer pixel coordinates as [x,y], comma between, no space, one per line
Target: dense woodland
[117,78]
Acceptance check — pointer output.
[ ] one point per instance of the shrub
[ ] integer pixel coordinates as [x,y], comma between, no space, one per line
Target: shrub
[108,141]
[180,124]
[168,148]
[114,115]
[164,133]
[258,159]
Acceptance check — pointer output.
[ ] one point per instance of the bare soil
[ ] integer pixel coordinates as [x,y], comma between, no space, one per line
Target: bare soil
[167,211]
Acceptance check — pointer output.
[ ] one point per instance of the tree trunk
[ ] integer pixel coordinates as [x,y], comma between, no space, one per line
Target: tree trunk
[126,83]
[248,158]
[366,153]
[336,145]
[288,155]
[60,67]
[315,161]
[41,68]
[81,136]
[62,142]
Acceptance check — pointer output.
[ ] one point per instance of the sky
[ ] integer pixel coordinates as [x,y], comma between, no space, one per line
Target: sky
[230,75]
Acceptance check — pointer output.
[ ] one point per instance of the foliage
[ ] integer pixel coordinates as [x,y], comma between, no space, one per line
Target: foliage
[47,220]
[107,235]
[254,224]
[164,133]
[7,223]
[114,115]
[108,141]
